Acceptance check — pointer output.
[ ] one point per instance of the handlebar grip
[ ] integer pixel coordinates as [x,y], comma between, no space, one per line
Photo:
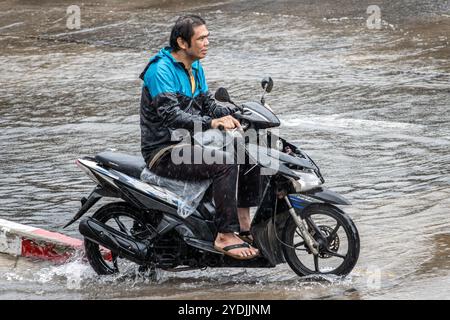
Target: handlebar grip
[221,127]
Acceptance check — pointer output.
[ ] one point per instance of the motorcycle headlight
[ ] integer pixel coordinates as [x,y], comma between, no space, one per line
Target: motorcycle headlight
[307,181]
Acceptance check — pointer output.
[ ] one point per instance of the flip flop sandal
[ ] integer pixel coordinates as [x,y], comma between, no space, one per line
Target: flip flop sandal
[225,251]
[246,236]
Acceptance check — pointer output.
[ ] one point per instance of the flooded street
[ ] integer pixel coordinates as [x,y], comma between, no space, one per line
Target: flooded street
[370,106]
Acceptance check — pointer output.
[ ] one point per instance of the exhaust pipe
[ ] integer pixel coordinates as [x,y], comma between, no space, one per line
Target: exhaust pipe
[116,241]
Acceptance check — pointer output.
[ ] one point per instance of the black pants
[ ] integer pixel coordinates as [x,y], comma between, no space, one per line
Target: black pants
[225,177]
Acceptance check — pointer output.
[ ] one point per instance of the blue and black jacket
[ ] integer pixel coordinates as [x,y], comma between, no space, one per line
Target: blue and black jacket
[167,102]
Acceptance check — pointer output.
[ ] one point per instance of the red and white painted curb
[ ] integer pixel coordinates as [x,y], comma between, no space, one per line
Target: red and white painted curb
[21,240]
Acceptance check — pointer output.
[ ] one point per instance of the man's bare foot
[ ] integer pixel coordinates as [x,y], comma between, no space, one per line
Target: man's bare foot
[243,250]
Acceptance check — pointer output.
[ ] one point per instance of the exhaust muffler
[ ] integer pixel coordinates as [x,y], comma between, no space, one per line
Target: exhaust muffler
[114,240]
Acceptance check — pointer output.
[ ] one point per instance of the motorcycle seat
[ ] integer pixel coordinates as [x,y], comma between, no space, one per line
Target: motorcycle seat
[125,163]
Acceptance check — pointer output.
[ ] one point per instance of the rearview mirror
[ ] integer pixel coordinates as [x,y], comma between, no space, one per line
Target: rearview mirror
[267,84]
[222,95]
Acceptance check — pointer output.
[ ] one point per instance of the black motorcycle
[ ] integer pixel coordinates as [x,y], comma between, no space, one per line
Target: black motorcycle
[297,220]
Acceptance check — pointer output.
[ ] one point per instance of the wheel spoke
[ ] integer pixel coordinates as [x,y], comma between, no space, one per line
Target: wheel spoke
[121,225]
[335,254]
[333,233]
[296,246]
[316,263]
[298,233]
[299,244]
[114,260]
[142,234]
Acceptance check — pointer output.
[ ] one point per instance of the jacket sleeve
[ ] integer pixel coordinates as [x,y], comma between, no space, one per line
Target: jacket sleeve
[213,109]
[168,109]
[162,87]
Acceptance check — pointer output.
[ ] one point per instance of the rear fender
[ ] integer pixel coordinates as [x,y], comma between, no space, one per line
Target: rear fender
[87,203]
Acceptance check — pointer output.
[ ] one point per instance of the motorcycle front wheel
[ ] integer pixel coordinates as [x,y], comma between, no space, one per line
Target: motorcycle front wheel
[336,235]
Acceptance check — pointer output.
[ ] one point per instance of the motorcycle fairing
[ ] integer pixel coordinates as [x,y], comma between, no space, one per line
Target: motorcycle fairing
[114,183]
[113,176]
[260,116]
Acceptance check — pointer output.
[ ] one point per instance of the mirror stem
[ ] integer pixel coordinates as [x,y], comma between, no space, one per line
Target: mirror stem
[234,104]
[263,100]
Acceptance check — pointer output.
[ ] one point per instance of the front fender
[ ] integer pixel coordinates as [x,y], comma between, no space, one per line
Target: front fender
[321,195]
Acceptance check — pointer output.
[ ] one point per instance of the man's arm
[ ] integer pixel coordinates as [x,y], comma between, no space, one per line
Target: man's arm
[213,109]
[168,109]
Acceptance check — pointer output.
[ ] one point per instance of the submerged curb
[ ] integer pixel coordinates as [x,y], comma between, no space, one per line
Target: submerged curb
[26,241]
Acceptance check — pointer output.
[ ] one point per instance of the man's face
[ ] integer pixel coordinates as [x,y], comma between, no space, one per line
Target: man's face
[199,43]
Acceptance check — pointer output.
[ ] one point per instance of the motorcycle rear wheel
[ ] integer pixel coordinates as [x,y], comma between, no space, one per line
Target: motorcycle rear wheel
[338,242]
[122,217]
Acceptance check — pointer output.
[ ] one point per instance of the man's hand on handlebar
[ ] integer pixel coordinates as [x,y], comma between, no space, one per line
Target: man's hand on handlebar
[227,123]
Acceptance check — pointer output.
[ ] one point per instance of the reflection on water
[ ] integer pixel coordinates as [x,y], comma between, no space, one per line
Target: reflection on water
[369,106]
[439,262]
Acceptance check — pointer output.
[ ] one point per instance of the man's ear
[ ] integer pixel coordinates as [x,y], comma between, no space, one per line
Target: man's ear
[182,43]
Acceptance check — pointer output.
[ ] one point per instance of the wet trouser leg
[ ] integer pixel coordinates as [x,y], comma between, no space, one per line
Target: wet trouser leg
[224,178]
[249,186]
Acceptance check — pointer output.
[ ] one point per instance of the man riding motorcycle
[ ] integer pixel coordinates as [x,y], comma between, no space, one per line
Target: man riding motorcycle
[175,96]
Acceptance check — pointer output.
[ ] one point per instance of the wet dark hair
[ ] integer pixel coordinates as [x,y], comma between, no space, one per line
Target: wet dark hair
[184,28]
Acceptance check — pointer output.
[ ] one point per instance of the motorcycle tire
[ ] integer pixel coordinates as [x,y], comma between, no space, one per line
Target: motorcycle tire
[326,250]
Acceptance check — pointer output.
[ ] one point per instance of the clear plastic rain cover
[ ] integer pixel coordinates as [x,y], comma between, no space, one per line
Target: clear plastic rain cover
[187,194]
